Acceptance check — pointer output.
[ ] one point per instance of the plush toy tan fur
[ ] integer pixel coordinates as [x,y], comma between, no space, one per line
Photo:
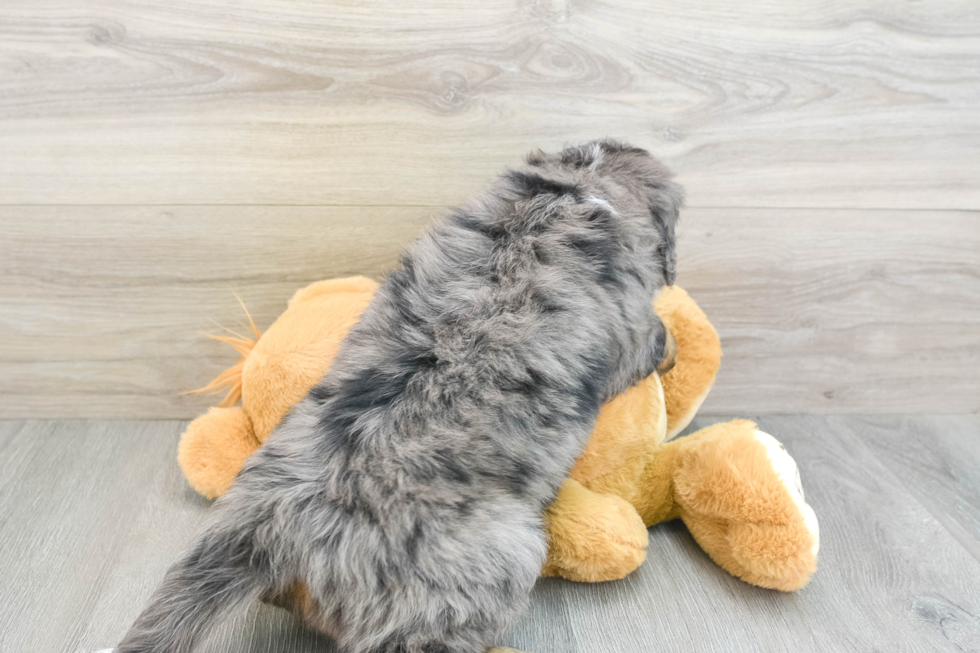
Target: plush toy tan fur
[735,487]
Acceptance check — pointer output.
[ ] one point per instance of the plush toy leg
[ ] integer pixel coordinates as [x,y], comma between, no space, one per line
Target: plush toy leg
[213,449]
[738,492]
[697,361]
[592,537]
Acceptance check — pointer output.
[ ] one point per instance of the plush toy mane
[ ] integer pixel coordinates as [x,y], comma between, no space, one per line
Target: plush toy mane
[230,380]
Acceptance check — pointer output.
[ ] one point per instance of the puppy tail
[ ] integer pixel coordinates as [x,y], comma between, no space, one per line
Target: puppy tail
[219,573]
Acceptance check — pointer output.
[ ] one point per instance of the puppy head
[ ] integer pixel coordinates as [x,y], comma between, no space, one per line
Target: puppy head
[637,184]
[651,182]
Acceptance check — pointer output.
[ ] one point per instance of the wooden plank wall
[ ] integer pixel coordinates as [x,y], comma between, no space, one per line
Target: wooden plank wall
[157,156]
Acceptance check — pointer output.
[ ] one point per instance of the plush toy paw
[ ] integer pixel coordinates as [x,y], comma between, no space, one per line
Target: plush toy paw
[213,449]
[593,537]
[739,493]
[789,475]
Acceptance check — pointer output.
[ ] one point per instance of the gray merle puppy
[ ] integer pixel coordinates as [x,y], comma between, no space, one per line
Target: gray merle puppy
[404,494]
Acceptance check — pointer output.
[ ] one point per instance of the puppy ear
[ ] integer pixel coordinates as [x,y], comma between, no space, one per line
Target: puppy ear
[665,203]
[668,250]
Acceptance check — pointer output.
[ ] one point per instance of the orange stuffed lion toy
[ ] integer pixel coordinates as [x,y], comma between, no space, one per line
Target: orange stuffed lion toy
[735,487]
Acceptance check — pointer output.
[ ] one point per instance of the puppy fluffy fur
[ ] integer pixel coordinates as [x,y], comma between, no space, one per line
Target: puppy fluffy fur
[405,493]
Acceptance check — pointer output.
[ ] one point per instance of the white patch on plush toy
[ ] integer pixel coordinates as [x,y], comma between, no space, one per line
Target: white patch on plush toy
[663,402]
[695,407]
[661,426]
[787,471]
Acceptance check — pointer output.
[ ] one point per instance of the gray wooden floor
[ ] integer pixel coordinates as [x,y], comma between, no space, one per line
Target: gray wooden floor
[91,513]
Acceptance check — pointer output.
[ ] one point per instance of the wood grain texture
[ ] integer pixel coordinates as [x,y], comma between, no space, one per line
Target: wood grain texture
[838,311]
[808,103]
[93,512]
[103,309]
[938,457]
